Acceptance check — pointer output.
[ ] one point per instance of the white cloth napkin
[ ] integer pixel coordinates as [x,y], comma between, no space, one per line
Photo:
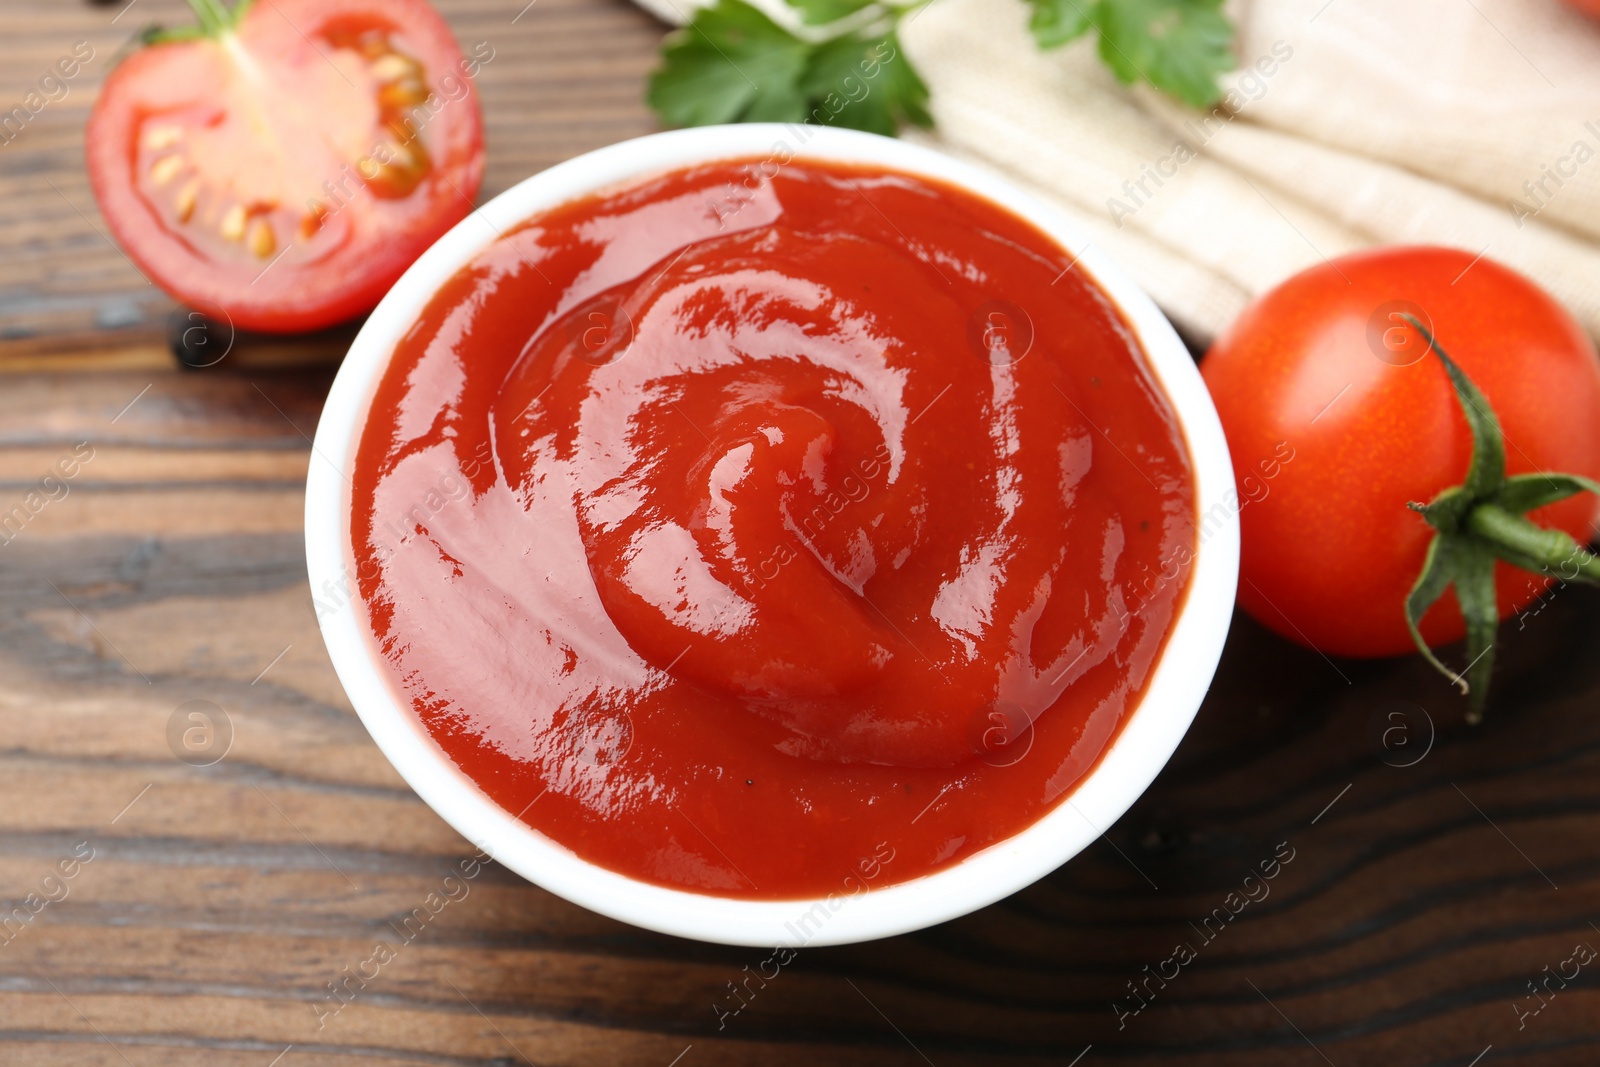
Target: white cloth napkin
[1352,123]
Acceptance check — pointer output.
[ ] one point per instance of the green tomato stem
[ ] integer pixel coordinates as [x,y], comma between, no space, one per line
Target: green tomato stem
[213,15]
[1515,539]
[1519,541]
[1481,520]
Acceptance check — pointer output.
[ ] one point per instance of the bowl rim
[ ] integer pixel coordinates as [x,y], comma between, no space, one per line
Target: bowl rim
[1146,741]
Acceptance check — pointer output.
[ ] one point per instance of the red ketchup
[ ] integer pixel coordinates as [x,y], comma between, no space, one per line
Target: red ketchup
[747,531]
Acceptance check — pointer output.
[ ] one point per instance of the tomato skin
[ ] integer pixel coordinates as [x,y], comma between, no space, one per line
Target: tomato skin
[1588,7]
[297,293]
[1330,549]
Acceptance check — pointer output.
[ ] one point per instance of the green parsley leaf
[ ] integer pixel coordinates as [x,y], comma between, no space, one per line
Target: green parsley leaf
[906,92]
[1179,46]
[734,64]
[731,63]
[865,83]
[818,12]
[1055,22]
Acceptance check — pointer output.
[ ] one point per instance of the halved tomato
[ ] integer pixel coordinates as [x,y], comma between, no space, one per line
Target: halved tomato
[287,160]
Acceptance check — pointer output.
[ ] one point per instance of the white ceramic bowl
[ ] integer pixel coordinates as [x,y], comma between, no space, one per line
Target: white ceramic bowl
[1142,748]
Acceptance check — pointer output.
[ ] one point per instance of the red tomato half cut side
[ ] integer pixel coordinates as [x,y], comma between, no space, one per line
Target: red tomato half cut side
[289,168]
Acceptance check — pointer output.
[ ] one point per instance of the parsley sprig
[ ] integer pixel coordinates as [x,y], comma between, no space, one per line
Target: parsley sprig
[732,63]
[839,62]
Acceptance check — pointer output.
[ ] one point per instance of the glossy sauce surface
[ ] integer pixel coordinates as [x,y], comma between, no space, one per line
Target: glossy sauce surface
[748,526]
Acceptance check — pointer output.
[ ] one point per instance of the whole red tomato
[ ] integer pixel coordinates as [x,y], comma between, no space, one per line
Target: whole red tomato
[1588,7]
[1324,369]
[285,165]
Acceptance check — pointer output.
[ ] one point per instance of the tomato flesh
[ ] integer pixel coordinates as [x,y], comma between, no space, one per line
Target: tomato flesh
[1321,370]
[288,170]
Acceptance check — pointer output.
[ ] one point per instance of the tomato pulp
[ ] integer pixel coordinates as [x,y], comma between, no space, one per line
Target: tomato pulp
[283,170]
[738,527]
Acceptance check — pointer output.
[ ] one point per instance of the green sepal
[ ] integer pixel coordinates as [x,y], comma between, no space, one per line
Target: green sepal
[156,34]
[216,18]
[1474,581]
[215,15]
[1523,493]
[1516,539]
[1446,511]
[1483,520]
[1487,471]
[1438,573]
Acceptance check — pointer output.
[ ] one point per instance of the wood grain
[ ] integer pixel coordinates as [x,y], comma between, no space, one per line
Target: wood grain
[221,901]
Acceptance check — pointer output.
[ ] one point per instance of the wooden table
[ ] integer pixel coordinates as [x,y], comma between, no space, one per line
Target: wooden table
[1429,885]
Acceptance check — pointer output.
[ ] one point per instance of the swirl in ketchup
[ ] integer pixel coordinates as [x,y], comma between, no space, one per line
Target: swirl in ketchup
[754,522]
